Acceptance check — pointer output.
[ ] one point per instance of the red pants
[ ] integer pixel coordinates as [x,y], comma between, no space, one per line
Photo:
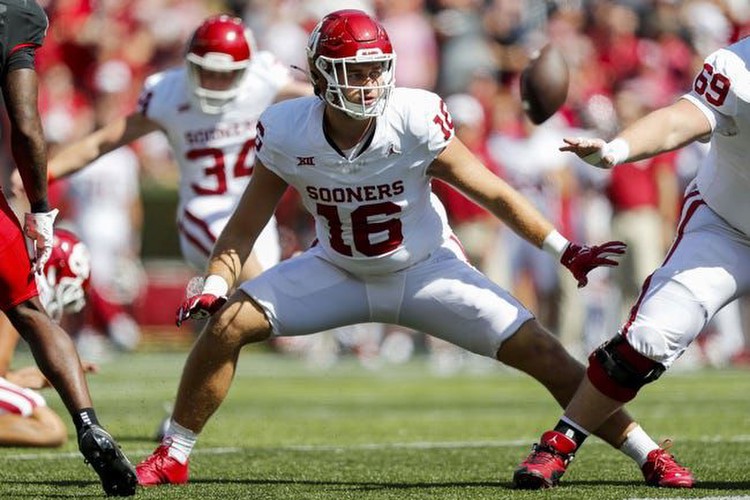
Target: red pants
[17,282]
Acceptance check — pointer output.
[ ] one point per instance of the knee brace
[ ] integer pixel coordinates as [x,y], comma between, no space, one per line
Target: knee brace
[619,371]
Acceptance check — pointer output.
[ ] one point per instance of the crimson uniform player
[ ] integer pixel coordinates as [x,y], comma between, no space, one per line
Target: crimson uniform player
[361,155]
[705,269]
[23,25]
[25,418]
[208,110]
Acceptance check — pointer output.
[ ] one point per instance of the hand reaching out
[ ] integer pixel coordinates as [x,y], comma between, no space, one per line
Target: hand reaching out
[597,152]
[581,259]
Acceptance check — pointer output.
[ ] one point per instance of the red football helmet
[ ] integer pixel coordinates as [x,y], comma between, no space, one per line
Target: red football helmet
[347,37]
[221,44]
[62,287]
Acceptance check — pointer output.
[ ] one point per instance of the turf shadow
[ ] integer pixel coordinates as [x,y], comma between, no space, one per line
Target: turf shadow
[31,493]
[722,485]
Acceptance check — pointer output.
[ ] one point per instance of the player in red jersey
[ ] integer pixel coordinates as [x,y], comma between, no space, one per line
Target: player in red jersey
[25,419]
[24,25]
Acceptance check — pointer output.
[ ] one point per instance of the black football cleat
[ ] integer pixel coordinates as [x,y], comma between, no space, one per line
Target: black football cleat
[102,452]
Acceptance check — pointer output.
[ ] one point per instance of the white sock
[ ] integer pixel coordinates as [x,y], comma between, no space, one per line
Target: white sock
[638,445]
[180,441]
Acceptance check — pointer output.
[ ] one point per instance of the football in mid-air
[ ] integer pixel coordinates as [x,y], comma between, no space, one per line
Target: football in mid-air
[544,84]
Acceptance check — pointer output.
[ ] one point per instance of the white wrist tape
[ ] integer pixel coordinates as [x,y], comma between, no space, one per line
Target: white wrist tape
[618,149]
[555,243]
[215,285]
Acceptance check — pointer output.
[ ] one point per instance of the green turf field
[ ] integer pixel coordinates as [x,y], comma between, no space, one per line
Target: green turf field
[289,431]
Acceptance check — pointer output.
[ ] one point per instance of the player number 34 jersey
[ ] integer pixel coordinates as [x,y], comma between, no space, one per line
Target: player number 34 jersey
[374,212]
[215,152]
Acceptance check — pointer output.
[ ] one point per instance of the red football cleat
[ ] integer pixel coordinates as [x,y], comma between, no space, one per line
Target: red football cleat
[662,470]
[547,462]
[160,468]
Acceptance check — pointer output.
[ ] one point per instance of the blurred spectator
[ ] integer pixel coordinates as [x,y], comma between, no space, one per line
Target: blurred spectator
[476,228]
[280,28]
[542,174]
[66,110]
[614,33]
[708,26]
[464,48]
[645,199]
[413,39]
[105,208]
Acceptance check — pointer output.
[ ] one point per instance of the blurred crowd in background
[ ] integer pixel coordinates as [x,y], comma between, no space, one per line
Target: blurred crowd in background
[625,57]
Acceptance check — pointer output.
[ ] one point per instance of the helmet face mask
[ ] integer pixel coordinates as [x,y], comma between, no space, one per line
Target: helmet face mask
[217,58]
[344,93]
[352,63]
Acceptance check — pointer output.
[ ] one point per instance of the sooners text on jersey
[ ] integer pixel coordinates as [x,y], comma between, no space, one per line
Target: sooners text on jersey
[375,212]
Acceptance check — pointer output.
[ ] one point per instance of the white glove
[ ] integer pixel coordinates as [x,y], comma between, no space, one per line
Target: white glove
[38,229]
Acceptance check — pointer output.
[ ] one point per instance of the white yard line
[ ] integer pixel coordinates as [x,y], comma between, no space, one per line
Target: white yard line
[72,454]
[416,445]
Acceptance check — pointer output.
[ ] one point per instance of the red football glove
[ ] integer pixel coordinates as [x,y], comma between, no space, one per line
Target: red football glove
[199,306]
[580,259]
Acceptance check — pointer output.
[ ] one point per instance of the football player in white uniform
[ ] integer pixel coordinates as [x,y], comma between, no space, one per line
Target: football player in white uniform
[362,156]
[705,268]
[208,110]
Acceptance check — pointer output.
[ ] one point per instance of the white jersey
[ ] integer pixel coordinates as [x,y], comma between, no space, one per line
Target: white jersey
[374,213]
[722,92]
[215,152]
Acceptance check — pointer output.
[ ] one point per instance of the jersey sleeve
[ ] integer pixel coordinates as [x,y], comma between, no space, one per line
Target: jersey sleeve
[265,146]
[26,29]
[271,70]
[149,101]
[430,121]
[716,86]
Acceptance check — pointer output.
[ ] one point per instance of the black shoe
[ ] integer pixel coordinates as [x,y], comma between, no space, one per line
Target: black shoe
[103,453]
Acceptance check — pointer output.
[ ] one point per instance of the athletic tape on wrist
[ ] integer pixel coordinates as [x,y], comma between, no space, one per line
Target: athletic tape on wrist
[618,149]
[555,243]
[215,285]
